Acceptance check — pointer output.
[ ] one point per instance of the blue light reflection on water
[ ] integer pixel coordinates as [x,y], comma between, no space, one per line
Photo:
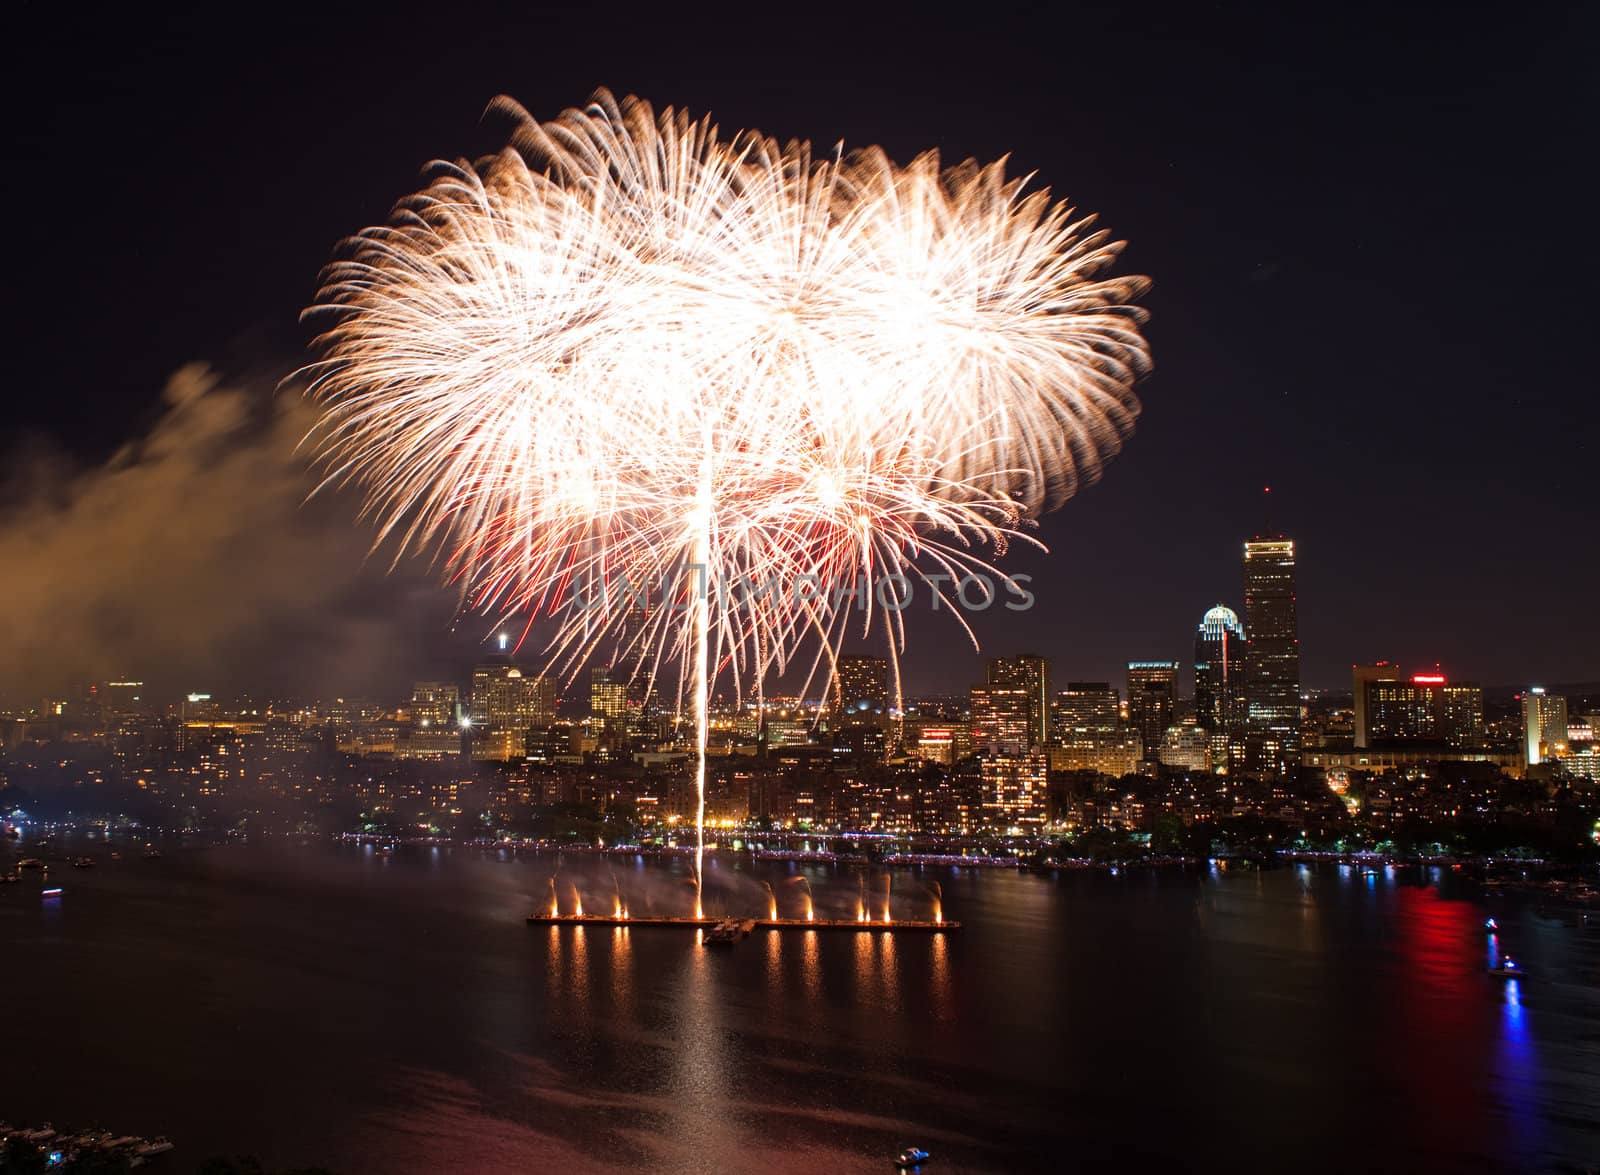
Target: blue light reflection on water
[1517,1071]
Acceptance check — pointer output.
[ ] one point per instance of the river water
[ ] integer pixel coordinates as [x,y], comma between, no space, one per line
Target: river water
[333,1005]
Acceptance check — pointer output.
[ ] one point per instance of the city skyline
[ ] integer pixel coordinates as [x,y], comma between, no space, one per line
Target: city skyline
[957,667]
[697,589]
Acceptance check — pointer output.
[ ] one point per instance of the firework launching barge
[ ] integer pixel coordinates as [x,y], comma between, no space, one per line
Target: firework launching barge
[860,926]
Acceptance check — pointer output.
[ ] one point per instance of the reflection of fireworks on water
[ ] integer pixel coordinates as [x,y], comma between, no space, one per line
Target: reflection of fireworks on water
[631,346]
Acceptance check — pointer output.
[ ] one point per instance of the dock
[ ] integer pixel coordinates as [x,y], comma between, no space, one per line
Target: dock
[746,925]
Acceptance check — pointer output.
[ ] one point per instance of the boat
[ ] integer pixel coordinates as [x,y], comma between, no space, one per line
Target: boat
[911,1158]
[151,853]
[155,1146]
[30,863]
[83,862]
[53,892]
[1491,925]
[1508,969]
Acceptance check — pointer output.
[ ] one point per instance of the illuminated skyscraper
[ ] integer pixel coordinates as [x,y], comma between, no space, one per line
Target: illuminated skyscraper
[503,699]
[1544,725]
[1219,673]
[1087,712]
[1088,733]
[1030,674]
[435,703]
[608,696]
[1272,659]
[861,692]
[1362,676]
[1152,692]
[1002,717]
[1425,708]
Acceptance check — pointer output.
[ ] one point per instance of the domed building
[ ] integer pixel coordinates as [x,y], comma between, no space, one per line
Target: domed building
[1219,700]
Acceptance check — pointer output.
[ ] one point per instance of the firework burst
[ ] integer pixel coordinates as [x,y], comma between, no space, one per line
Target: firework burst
[628,345]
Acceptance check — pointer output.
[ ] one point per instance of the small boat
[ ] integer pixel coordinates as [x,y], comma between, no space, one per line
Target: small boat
[911,1158]
[1491,925]
[151,853]
[155,1146]
[53,892]
[30,863]
[83,862]
[1508,969]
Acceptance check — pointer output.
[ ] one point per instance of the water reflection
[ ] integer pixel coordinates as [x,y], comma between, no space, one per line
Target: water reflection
[703,1070]
[1517,1070]
[941,988]
[622,970]
[567,974]
[1234,1032]
[811,967]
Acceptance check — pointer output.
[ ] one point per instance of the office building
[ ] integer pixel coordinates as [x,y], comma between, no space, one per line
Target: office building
[1152,697]
[504,699]
[1219,673]
[1272,657]
[1362,676]
[1186,747]
[1544,725]
[1031,674]
[1002,717]
[121,698]
[1086,711]
[435,703]
[860,692]
[1426,708]
[608,697]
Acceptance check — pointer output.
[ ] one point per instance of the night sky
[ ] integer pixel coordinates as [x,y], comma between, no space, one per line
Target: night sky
[1367,231]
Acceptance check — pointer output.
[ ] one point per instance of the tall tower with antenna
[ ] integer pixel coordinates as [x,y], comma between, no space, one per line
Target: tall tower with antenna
[1272,655]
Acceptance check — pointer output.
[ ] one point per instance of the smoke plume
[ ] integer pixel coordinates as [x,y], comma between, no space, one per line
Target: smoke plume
[192,559]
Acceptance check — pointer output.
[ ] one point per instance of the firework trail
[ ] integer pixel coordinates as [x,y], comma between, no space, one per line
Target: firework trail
[805,886]
[630,350]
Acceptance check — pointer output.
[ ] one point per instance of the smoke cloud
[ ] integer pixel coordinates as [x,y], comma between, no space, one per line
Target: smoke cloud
[192,560]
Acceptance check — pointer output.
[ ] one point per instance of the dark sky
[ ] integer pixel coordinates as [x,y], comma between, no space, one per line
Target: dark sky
[1367,229]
